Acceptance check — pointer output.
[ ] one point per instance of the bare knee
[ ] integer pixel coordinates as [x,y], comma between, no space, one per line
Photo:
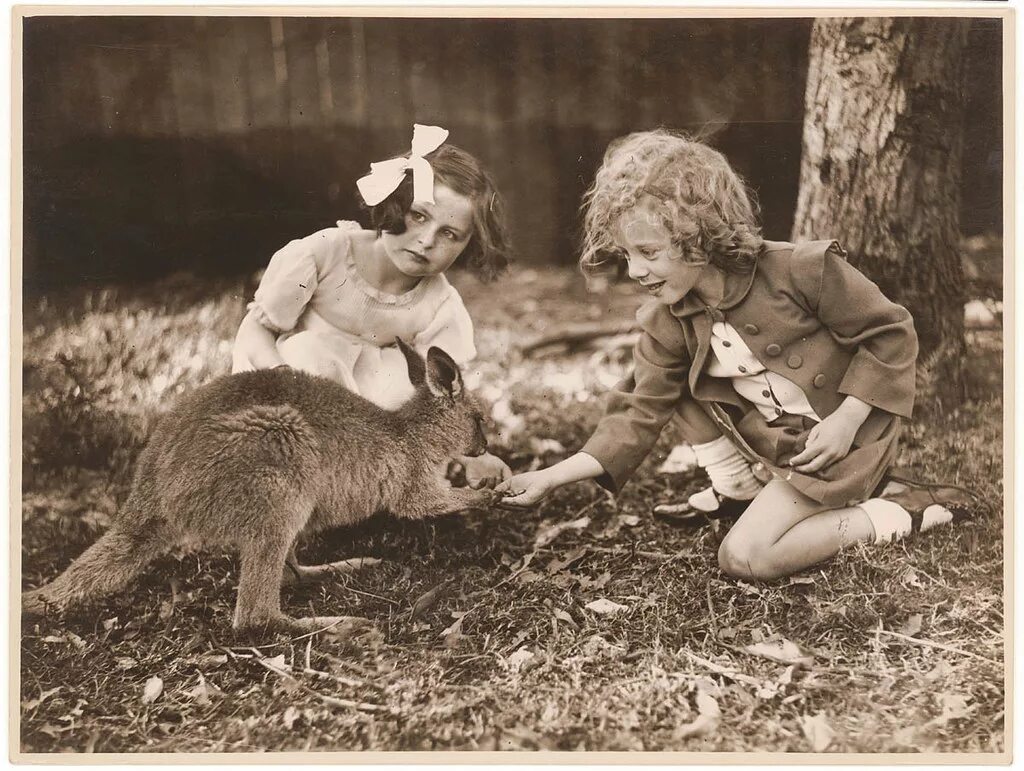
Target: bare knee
[744,558]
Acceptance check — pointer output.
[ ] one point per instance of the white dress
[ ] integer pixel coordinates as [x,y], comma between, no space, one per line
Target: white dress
[332,323]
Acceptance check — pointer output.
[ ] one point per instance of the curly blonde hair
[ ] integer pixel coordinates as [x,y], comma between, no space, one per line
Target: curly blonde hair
[695,187]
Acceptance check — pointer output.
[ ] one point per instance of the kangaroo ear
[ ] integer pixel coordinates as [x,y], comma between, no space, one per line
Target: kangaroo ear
[443,375]
[417,368]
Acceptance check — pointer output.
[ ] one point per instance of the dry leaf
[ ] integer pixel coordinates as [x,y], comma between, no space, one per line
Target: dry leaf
[547,534]
[708,716]
[289,717]
[201,692]
[954,707]
[278,663]
[519,659]
[605,607]
[567,559]
[428,599]
[453,634]
[818,732]
[783,651]
[561,615]
[912,625]
[152,690]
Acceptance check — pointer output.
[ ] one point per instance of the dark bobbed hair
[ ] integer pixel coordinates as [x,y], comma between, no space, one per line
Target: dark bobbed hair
[488,251]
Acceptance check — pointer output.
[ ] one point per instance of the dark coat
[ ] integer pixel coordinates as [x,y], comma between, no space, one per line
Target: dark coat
[807,315]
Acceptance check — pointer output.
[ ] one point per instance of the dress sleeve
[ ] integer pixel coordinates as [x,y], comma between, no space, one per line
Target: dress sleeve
[856,313]
[451,330]
[287,284]
[638,408]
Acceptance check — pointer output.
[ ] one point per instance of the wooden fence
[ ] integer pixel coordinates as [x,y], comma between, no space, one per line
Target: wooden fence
[160,142]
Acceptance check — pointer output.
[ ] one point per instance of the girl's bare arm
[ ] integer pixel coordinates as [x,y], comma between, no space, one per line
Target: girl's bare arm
[258,343]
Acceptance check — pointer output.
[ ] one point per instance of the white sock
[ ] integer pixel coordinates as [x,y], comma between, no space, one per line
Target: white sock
[935,515]
[890,520]
[729,471]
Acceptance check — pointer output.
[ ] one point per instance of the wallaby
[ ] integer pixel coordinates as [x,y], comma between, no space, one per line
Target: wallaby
[253,459]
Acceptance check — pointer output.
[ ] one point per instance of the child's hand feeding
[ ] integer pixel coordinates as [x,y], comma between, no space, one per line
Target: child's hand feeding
[528,488]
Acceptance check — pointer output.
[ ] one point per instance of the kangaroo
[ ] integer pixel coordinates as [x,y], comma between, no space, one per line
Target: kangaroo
[251,460]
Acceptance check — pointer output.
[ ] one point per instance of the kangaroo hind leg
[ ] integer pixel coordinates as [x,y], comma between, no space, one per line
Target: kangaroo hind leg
[258,608]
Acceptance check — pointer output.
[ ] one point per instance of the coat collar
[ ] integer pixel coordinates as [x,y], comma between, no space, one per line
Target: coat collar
[737,286]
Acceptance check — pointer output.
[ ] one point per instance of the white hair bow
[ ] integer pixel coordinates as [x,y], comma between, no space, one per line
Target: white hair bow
[386,176]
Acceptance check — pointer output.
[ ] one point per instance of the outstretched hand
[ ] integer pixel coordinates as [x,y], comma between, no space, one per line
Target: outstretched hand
[527,488]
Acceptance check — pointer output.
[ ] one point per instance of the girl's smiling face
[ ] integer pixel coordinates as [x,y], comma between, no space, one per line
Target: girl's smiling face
[435,234]
[655,261]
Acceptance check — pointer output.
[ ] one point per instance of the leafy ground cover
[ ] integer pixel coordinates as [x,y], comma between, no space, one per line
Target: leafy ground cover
[584,624]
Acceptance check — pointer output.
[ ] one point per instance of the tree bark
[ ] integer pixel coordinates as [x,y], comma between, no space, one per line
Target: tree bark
[881,165]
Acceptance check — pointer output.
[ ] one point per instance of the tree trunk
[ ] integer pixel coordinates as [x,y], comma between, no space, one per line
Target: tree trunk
[882,146]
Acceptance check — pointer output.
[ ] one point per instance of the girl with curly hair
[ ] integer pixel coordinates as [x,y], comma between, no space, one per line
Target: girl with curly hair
[334,303]
[785,367]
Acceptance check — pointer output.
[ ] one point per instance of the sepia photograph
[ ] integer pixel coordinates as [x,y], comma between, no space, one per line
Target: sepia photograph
[511,384]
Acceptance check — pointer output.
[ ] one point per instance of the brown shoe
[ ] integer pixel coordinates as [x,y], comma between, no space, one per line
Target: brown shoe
[957,501]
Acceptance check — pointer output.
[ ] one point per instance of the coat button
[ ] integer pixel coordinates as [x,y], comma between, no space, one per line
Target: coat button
[727,344]
[751,329]
[772,350]
[794,362]
[819,381]
[742,369]
[766,394]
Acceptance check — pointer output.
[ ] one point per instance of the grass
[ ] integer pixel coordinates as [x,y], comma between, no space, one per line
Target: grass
[481,638]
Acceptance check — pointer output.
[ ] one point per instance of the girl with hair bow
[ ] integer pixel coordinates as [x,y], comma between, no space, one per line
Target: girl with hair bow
[334,303]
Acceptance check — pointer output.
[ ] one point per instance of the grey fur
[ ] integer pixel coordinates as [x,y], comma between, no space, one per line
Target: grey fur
[251,460]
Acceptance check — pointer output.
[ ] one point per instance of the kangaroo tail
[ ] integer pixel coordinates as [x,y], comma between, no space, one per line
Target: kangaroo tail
[107,566]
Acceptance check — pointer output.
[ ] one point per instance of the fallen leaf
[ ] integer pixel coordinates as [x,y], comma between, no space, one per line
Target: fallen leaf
[783,651]
[605,607]
[278,663]
[519,659]
[912,625]
[200,694]
[126,662]
[453,634]
[818,732]
[909,578]
[708,717]
[566,559]
[547,534]
[289,717]
[528,577]
[428,599]
[954,707]
[561,615]
[152,690]
[111,623]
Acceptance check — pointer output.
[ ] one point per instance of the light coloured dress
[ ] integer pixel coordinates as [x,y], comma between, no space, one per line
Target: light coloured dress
[332,323]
